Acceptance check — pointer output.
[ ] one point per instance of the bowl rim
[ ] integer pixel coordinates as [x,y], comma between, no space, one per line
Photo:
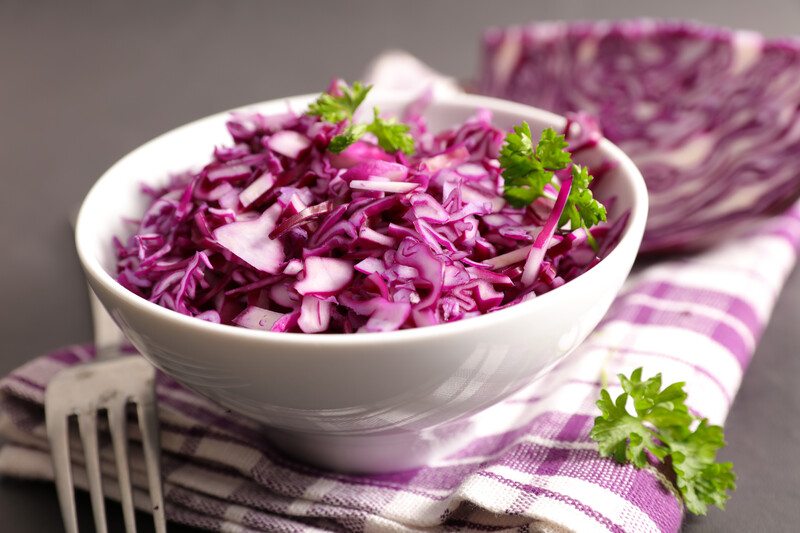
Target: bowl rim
[95,272]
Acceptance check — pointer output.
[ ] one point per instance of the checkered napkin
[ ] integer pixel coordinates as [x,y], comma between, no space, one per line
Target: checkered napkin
[531,465]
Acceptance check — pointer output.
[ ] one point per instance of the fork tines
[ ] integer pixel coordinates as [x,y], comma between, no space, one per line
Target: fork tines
[82,391]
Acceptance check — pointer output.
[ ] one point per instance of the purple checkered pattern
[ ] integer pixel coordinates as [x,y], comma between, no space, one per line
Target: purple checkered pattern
[531,466]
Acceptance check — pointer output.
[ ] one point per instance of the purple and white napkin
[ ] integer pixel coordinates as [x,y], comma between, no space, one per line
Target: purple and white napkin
[531,466]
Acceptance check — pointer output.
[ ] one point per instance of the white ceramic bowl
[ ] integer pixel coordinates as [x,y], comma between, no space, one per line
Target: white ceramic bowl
[362,402]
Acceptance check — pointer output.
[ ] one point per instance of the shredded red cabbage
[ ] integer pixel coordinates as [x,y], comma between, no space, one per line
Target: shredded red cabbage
[277,233]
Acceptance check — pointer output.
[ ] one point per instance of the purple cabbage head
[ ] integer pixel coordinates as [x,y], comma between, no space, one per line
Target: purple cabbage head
[710,116]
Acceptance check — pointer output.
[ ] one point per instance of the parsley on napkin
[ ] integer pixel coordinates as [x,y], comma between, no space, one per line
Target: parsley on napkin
[664,428]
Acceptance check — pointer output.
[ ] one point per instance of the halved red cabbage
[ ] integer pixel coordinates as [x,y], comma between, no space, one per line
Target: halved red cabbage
[276,233]
[710,116]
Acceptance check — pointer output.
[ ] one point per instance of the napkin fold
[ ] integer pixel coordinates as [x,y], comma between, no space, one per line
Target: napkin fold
[531,465]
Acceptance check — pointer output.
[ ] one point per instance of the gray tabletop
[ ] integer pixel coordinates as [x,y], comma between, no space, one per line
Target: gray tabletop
[83,83]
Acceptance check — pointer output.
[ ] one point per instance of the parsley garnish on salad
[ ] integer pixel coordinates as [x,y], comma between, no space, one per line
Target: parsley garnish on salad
[663,427]
[528,170]
[336,108]
[351,134]
[391,135]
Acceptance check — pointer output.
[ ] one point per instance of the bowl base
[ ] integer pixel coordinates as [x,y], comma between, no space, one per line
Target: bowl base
[380,453]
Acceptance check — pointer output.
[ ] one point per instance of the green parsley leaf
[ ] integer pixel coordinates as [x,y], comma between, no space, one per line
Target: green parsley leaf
[619,434]
[527,170]
[524,172]
[335,109]
[520,196]
[351,134]
[551,150]
[582,210]
[662,425]
[392,135]
[700,479]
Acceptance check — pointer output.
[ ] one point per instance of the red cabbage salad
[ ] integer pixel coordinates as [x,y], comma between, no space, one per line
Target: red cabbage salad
[322,222]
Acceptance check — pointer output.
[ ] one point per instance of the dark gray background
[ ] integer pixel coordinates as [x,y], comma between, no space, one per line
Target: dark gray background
[82,83]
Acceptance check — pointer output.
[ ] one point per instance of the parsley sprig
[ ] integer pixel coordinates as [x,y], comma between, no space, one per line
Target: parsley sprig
[335,108]
[528,169]
[662,426]
[351,134]
[391,135]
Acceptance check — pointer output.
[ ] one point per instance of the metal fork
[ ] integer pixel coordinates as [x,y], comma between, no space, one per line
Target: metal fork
[109,384]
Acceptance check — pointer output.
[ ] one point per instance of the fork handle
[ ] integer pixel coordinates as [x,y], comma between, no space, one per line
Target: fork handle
[107,335]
